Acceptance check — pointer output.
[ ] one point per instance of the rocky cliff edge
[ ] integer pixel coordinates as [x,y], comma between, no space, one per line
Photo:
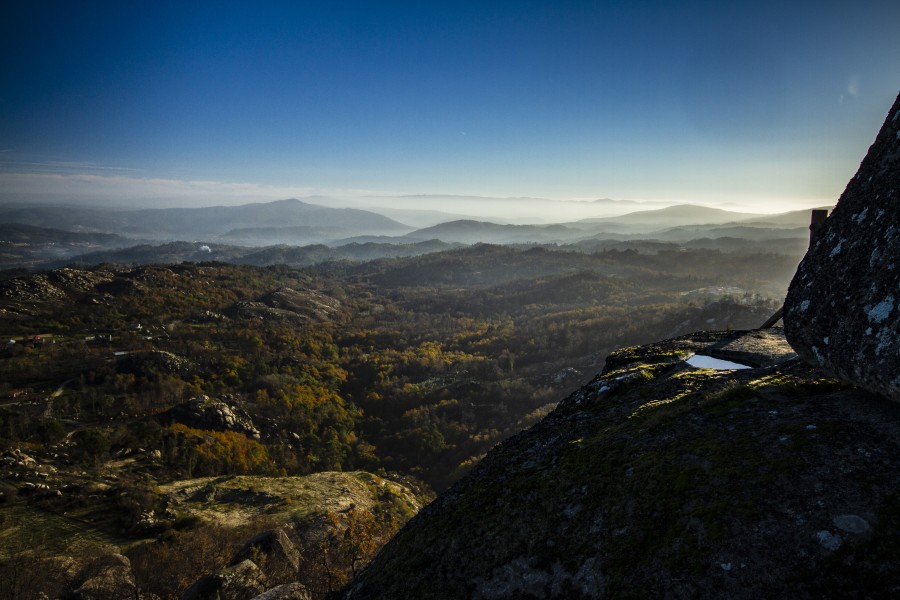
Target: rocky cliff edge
[660,479]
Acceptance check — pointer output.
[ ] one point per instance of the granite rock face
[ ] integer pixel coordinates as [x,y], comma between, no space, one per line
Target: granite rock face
[842,310]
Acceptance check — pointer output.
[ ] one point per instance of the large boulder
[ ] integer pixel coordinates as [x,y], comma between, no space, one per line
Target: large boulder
[281,555]
[242,581]
[106,578]
[842,310]
[214,414]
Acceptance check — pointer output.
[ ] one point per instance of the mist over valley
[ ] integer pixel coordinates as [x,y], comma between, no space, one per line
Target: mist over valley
[49,235]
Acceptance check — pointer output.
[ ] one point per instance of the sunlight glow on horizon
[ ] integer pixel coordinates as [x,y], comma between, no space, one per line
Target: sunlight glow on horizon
[126,191]
[765,108]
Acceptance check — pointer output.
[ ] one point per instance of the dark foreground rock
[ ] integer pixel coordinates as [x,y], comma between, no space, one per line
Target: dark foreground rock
[661,480]
[842,311]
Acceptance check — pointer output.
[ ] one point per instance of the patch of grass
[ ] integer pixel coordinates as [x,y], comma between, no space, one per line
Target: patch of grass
[187,522]
[796,387]
[57,533]
[721,401]
[800,388]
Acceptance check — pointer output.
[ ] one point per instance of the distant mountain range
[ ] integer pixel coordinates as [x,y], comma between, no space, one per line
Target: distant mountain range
[673,224]
[35,235]
[194,223]
[472,232]
[522,210]
[680,214]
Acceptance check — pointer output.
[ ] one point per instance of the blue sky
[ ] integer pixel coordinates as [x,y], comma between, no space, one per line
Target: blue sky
[764,105]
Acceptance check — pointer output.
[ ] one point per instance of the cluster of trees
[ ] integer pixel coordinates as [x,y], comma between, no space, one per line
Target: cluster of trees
[204,453]
[458,350]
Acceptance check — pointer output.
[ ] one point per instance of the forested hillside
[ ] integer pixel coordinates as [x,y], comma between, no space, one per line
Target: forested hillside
[416,364]
[123,384]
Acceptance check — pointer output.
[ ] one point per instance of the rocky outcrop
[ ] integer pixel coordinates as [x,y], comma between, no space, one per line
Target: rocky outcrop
[268,567]
[659,479]
[310,303]
[153,362]
[241,581]
[106,578]
[285,303]
[321,528]
[842,311]
[287,591]
[280,553]
[213,414]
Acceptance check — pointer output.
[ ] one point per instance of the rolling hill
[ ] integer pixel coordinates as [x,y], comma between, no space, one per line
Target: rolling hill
[191,223]
[471,232]
[681,214]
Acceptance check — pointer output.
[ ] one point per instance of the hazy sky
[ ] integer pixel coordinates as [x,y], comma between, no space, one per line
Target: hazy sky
[764,104]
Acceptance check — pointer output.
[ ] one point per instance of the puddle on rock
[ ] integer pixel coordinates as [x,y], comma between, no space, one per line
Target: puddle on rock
[701,361]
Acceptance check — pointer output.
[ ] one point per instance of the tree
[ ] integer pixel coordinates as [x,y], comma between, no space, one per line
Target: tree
[93,443]
[51,432]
